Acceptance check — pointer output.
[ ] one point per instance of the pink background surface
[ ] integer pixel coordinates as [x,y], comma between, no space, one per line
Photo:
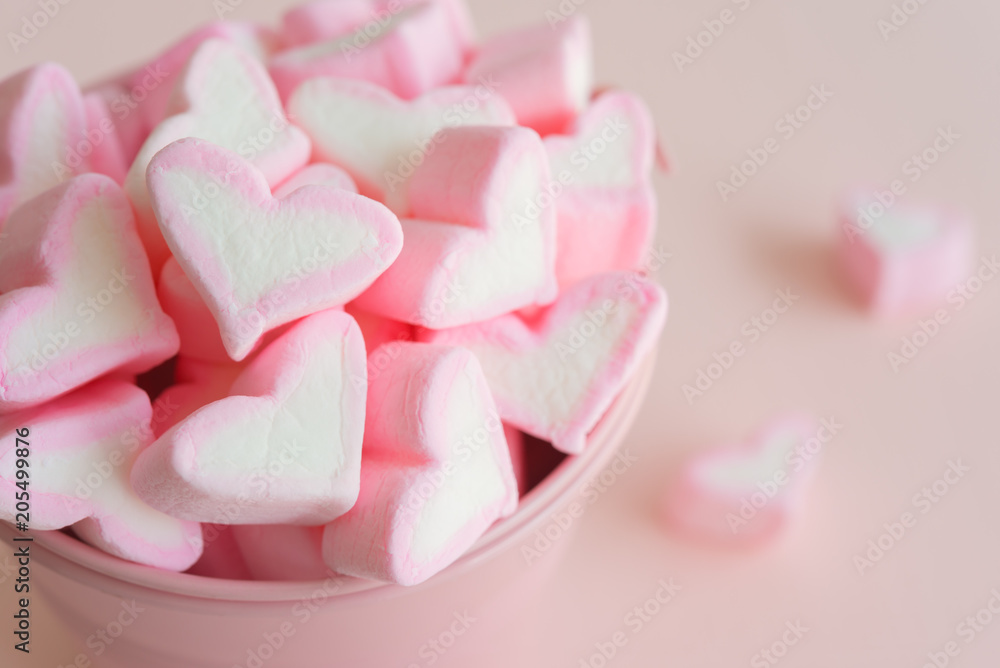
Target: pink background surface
[941,69]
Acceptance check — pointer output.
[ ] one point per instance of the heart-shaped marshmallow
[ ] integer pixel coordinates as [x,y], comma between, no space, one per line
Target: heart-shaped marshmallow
[76,294]
[480,243]
[555,374]
[317,174]
[107,154]
[42,119]
[224,96]
[285,447]
[412,51]
[436,471]
[906,258]
[260,262]
[607,210]
[545,73]
[80,449]
[743,494]
[381,139]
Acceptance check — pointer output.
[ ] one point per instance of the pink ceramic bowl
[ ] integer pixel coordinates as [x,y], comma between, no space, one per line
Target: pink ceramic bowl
[158,619]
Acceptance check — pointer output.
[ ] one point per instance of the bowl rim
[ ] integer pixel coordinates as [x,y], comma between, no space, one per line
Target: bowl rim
[74,558]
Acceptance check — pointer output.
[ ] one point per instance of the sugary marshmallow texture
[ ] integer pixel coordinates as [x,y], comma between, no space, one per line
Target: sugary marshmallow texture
[415,47]
[745,494]
[80,449]
[545,73]
[260,262]
[77,298]
[42,119]
[436,472]
[379,138]
[606,209]
[224,96]
[478,245]
[555,373]
[284,447]
[905,260]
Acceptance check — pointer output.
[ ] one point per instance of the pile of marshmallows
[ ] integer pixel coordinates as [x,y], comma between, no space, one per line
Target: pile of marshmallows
[378,251]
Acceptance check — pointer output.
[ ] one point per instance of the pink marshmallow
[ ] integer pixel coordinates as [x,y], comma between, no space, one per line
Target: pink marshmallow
[746,494]
[415,51]
[379,331]
[222,557]
[607,211]
[224,96]
[77,299]
[199,334]
[556,373]
[479,245]
[380,139]
[260,262]
[42,122]
[107,155]
[518,457]
[907,259]
[197,384]
[545,73]
[130,129]
[151,88]
[80,449]
[436,471]
[282,552]
[284,447]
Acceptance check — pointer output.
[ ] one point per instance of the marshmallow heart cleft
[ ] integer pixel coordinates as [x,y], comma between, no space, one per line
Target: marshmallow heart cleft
[436,471]
[478,244]
[257,261]
[555,373]
[284,447]
[77,299]
[80,449]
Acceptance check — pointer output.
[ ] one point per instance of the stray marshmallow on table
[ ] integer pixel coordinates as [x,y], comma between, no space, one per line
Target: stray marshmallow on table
[746,493]
[285,446]
[554,375]
[81,448]
[436,473]
[77,299]
[905,259]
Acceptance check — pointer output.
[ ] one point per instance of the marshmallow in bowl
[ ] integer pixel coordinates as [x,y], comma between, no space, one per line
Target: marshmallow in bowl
[436,471]
[81,448]
[556,373]
[77,299]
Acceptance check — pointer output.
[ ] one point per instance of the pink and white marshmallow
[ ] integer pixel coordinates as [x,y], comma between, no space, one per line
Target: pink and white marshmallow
[224,97]
[554,374]
[904,259]
[261,262]
[436,471]
[747,493]
[80,449]
[607,208]
[379,138]
[284,447]
[77,299]
[479,244]
[545,73]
